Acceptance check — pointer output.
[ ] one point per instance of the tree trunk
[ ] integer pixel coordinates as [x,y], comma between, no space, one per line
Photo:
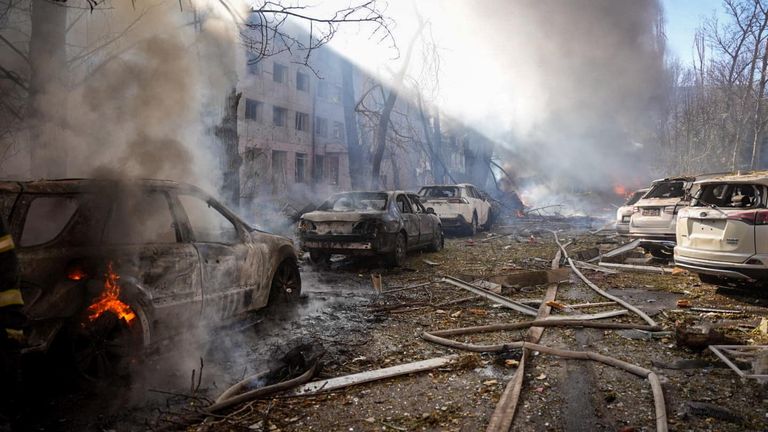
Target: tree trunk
[439,170]
[354,148]
[231,161]
[380,139]
[47,88]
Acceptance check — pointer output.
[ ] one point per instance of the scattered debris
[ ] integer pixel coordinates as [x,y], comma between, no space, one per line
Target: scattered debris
[699,336]
[431,263]
[490,296]
[756,354]
[709,410]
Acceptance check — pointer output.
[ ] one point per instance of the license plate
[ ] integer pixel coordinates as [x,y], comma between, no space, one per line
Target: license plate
[651,212]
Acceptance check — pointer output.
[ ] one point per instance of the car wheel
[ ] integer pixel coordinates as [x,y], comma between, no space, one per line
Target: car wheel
[397,256]
[472,228]
[320,259]
[438,242]
[108,346]
[488,222]
[286,284]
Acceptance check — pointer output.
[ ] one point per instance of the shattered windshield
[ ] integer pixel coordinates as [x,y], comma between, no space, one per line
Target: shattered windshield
[439,192]
[669,189]
[728,195]
[356,201]
[635,197]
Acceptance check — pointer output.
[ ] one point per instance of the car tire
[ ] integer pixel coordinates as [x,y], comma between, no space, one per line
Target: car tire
[396,258]
[438,242]
[109,347]
[489,221]
[472,227]
[286,283]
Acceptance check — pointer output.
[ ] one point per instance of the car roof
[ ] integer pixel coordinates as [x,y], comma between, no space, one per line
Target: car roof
[74,185]
[747,177]
[448,185]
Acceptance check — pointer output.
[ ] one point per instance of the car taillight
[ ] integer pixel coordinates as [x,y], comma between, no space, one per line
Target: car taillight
[76,273]
[458,201]
[635,209]
[748,217]
[305,225]
[761,217]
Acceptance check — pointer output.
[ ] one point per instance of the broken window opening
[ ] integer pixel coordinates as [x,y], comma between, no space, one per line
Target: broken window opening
[278,116]
[321,127]
[279,73]
[301,167]
[302,81]
[252,109]
[302,121]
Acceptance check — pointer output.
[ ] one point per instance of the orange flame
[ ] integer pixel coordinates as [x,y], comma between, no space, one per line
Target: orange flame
[620,190]
[109,300]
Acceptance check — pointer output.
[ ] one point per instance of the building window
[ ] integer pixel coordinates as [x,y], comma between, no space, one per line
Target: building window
[333,170]
[278,116]
[338,131]
[319,168]
[336,94]
[252,109]
[279,73]
[302,121]
[321,127]
[322,90]
[254,65]
[302,81]
[278,171]
[301,167]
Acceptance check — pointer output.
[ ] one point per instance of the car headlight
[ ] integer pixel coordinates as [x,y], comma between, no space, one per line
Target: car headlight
[305,225]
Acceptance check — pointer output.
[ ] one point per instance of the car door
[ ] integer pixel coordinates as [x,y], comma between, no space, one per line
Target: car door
[410,220]
[144,237]
[228,258]
[426,228]
[480,205]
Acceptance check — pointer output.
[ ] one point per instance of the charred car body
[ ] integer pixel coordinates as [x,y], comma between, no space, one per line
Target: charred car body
[370,223]
[158,255]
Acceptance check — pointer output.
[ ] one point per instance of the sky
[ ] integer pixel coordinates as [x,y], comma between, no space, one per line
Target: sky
[682,19]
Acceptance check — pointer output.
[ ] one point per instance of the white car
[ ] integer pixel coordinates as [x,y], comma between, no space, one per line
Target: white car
[624,213]
[724,232]
[459,206]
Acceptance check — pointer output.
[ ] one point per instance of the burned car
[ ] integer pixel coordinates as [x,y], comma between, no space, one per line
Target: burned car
[114,266]
[370,223]
[723,234]
[459,206]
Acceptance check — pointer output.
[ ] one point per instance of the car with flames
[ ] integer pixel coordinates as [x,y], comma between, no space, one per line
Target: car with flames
[112,266]
[460,207]
[624,213]
[379,223]
[723,234]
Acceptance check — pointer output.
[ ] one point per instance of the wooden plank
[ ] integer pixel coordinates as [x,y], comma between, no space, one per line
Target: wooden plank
[373,375]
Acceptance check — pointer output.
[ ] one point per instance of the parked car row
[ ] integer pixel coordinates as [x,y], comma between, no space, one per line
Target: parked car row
[716,225]
[391,223]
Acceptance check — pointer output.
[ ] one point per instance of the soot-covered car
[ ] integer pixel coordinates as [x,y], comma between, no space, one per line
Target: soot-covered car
[370,223]
[117,265]
[459,206]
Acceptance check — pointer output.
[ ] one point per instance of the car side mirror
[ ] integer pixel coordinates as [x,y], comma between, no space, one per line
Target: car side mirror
[430,210]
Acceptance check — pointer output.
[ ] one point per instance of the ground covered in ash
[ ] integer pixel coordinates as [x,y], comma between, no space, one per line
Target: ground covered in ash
[361,330]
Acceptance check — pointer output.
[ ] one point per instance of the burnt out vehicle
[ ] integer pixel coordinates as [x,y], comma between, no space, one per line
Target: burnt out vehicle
[115,267]
[387,224]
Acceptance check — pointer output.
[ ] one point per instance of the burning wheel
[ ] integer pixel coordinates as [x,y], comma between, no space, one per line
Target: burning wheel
[108,346]
[286,284]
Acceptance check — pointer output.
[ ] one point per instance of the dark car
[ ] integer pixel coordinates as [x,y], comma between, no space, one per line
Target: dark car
[118,265]
[370,223]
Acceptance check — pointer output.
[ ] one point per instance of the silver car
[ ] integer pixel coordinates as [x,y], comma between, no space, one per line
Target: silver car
[624,213]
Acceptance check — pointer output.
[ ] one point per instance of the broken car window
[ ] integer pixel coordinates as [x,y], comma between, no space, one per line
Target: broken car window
[671,189]
[403,205]
[208,224]
[729,195]
[46,218]
[439,192]
[141,218]
[355,201]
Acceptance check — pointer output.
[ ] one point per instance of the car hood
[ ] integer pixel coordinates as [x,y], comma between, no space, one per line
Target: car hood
[334,216]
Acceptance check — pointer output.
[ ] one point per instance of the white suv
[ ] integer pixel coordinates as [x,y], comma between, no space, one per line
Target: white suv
[459,206]
[724,232]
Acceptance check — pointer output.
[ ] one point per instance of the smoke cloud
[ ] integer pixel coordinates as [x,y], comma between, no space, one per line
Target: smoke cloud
[580,86]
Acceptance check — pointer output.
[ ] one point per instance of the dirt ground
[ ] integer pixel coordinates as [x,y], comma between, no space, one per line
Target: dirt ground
[361,330]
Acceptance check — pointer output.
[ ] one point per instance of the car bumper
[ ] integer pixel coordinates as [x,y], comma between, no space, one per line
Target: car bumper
[725,269]
[622,228]
[453,221]
[350,244]
[652,234]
